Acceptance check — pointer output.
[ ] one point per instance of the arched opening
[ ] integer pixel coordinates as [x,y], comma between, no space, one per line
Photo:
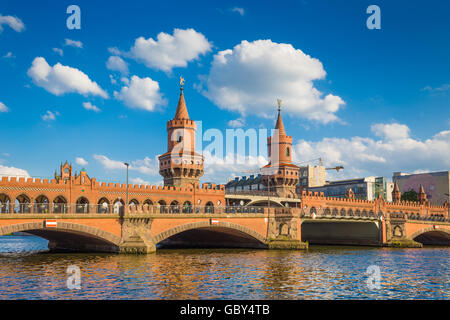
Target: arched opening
[103,205]
[343,212]
[133,203]
[209,207]
[202,235]
[340,232]
[22,204]
[4,203]
[60,205]
[68,237]
[313,210]
[118,206]
[82,205]
[187,207]
[162,206]
[432,236]
[41,204]
[327,211]
[335,212]
[174,207]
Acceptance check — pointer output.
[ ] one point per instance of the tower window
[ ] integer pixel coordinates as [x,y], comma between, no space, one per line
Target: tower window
[287,152]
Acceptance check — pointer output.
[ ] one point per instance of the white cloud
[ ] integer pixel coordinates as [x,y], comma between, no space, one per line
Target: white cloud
[61,79]
[11,171]
[73,43]
[58,51]
[80,161]
[221,170]
[116,63]
[251,76]
[237,123]
[90,106]
[168,51]
[141,93]
[138,181]
[146,166]
[50,116]
[3,107]
[241,11]
[394,151]
[13,22]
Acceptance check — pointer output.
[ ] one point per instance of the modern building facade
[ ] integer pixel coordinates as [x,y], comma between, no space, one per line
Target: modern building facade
[368,188]
[435,184]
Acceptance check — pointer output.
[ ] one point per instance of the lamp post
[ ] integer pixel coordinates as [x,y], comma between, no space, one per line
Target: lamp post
[126,204]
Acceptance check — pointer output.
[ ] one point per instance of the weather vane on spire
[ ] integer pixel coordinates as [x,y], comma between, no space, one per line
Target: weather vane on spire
[279,104]
[181,82]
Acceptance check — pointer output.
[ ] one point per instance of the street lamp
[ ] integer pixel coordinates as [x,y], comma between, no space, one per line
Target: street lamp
[126,205]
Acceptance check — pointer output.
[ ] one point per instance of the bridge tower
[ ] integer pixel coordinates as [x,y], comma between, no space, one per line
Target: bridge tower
[422,196]
[181,166]
[396,194]
[280,175]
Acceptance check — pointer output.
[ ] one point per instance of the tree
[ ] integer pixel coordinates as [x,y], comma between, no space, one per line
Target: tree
[410,195]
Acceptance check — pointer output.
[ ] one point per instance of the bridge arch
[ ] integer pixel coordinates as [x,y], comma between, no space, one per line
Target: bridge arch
[430,235]
[273,203]
[258,240]
[69,236]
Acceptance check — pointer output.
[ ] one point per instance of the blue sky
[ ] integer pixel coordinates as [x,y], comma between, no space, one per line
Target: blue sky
[389,89]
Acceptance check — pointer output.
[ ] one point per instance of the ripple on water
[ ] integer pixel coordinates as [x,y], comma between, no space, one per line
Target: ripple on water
[27,272]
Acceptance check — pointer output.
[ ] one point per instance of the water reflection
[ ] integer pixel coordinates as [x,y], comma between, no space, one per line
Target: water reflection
[320,273]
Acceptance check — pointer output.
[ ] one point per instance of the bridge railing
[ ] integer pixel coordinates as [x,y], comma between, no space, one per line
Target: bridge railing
[105,208]
[261,193]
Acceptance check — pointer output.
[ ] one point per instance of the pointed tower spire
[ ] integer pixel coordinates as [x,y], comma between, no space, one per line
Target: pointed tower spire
[280,125]
[422,196]
[182,112]
[396,194]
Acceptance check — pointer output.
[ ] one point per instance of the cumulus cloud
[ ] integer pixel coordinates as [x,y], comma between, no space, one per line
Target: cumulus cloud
[251,76]
[90,106]
[50,116]
[141,93]
[138,181]
[146,166]
[395,150]
[168,51]
[3,108]
[61,79]
[222,169]
[80,161]
[73,43]
[116,63]
[11,171]
[13,22]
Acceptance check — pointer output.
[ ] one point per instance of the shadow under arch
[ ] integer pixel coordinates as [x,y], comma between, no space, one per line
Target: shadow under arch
[204,235]
[431,236]
[68,236]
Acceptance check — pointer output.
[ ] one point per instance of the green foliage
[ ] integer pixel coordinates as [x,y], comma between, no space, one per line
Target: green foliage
[410,195]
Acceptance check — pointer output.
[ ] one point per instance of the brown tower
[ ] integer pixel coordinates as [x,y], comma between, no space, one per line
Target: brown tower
[181,166]
[422,196]
[396,194]
[280,175]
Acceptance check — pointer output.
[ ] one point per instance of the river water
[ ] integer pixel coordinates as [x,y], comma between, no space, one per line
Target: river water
[322,272]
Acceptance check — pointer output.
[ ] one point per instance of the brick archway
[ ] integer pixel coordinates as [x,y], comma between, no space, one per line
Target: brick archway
[84,230]
[427,229]
[206,224]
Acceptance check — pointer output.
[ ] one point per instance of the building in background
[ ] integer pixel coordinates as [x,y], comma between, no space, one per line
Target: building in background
[244,183]
[311,176]
[368,188]
[435,184]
